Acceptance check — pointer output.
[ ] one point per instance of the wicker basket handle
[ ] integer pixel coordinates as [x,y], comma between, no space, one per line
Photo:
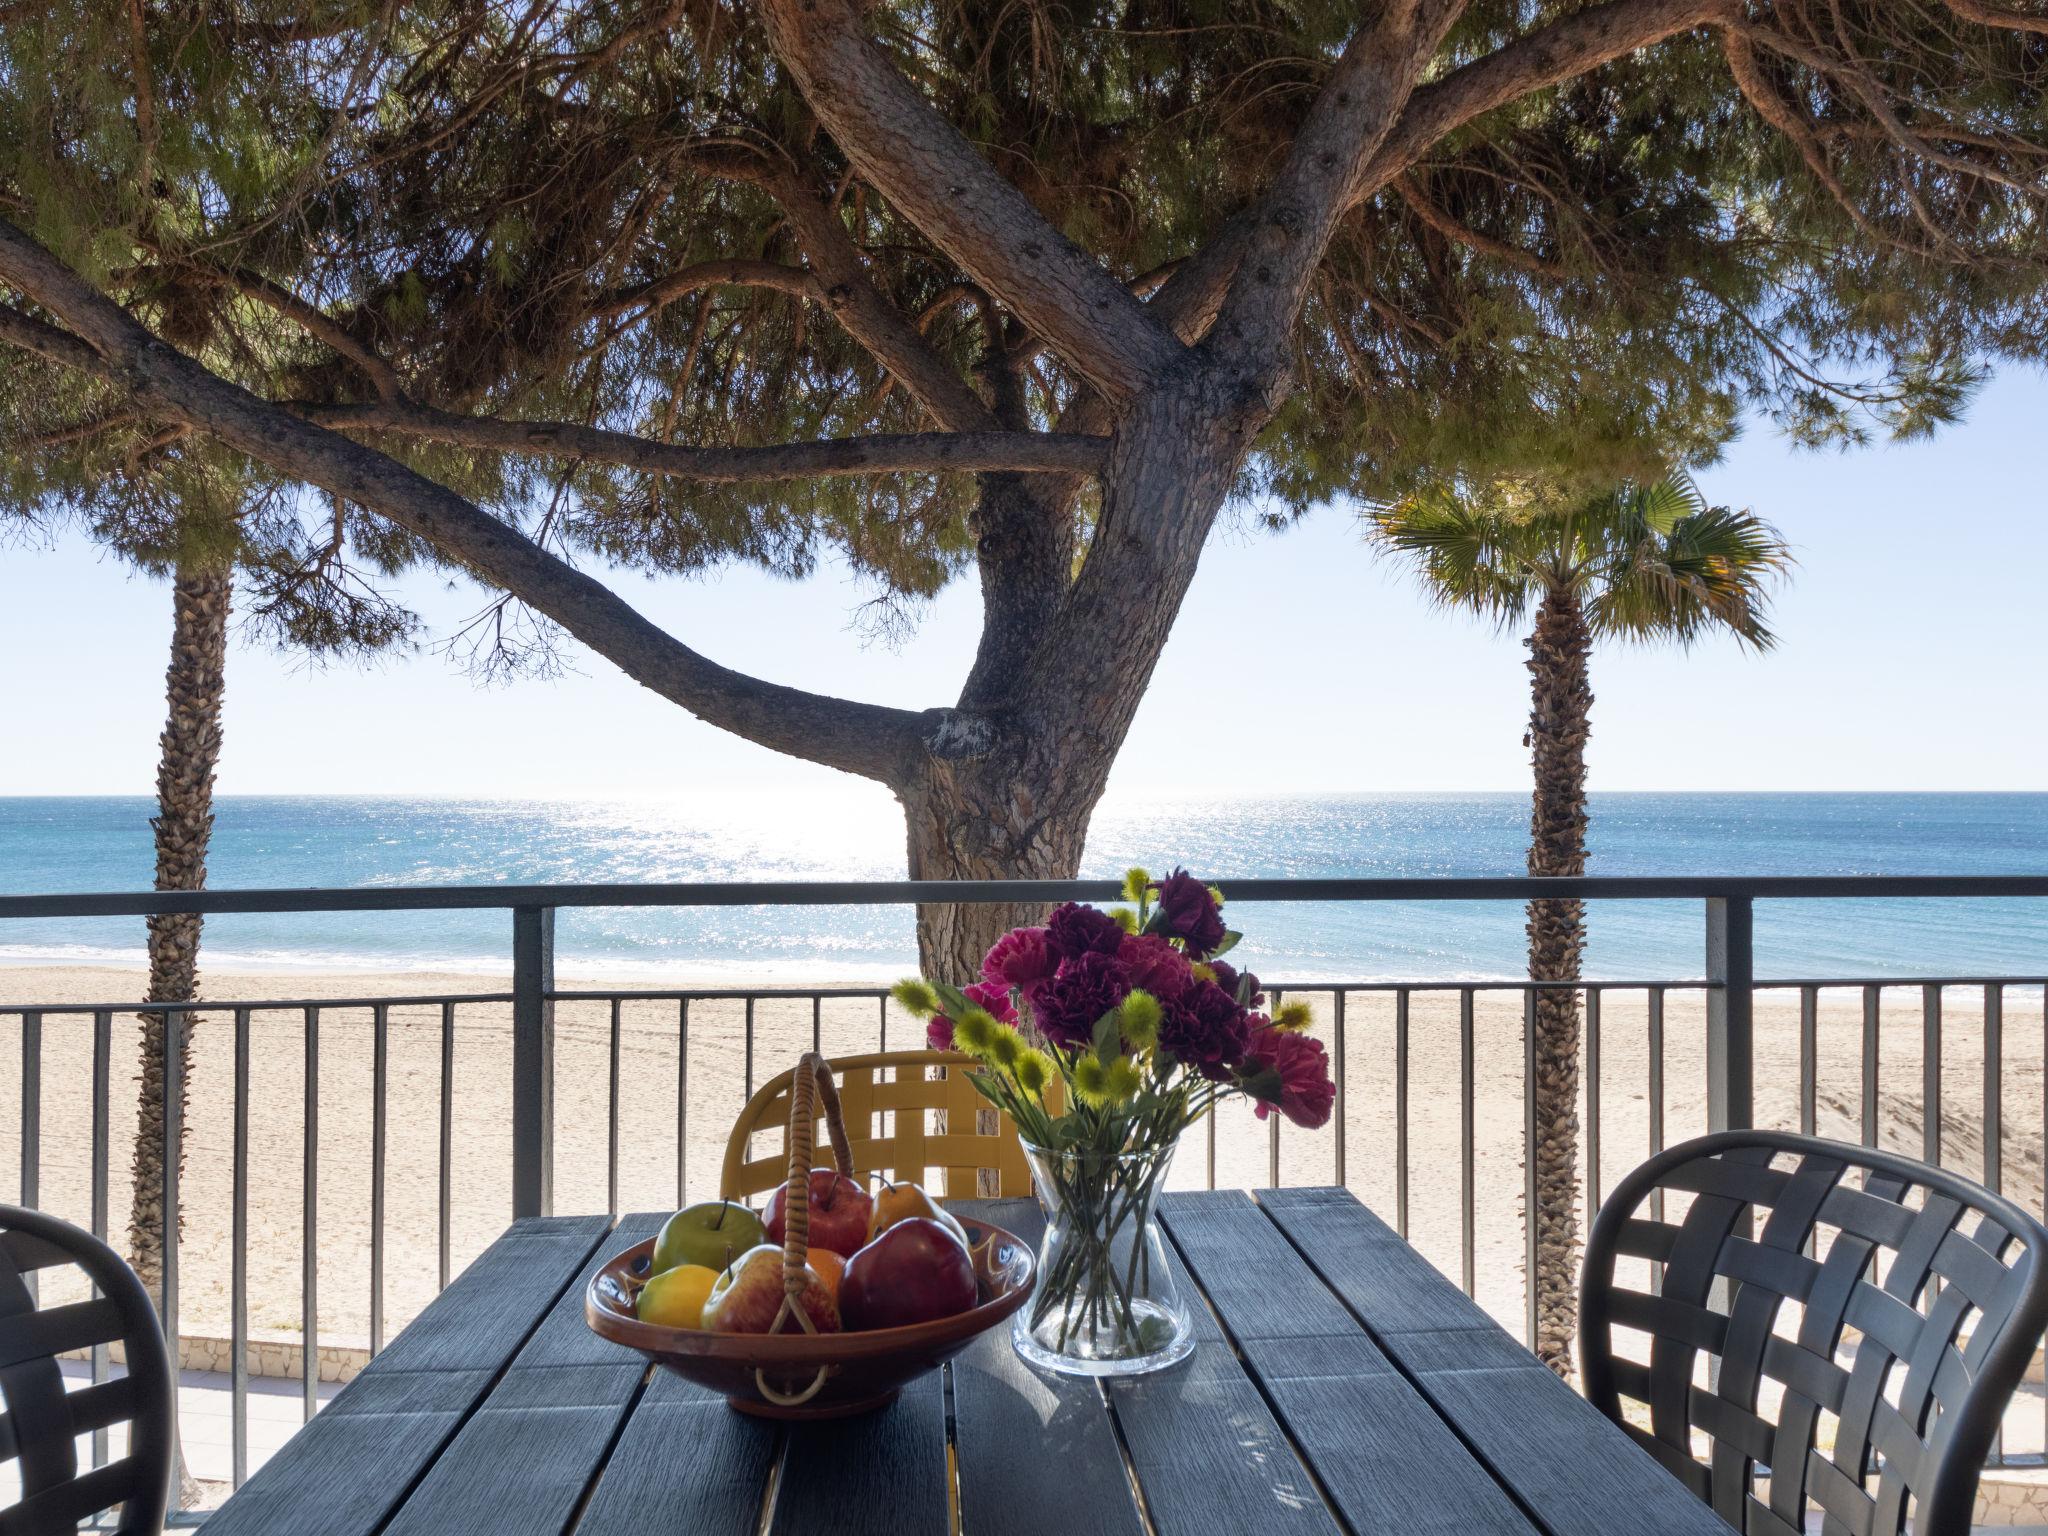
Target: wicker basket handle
[811,1088]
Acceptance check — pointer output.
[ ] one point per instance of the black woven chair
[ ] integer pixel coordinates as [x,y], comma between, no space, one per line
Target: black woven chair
[1889,1307]
[41,1422]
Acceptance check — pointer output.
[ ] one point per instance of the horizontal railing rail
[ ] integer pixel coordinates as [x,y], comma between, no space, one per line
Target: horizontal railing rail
[1406,1043]
[850,893]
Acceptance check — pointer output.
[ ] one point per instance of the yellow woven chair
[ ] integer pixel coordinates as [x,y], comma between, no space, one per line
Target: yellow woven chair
[901,1086]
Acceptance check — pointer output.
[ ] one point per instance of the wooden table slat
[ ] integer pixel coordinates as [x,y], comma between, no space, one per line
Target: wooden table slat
[881,1474]
[1388,1462]
[521,1463]
[1563,1459]
[1012,1423]
[344,1473]
[1207,1451]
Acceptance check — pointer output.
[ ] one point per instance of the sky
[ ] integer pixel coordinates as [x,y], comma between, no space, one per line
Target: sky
[1910,654]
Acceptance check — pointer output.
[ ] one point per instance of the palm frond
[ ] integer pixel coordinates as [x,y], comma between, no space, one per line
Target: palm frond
[1471,555]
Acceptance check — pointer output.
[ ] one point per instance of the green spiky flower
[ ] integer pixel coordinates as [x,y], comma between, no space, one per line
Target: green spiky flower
[1216,895]
[1091,1082]
[1124,918]
[1136,883]
[1138,1019]
[1123,1080]
[1007,1048]
[975,1032]
[916,996]
[1292,1015]
[1033,1071]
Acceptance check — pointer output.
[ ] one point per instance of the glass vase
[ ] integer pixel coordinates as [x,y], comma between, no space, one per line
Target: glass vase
[1106,1303]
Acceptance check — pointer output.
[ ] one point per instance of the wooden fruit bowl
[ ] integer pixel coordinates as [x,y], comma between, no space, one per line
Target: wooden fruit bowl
[862,1371]
[787,1374]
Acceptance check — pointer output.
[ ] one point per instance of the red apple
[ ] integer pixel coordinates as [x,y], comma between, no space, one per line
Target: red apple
[840,1210]
[915,1272]
[747,1298]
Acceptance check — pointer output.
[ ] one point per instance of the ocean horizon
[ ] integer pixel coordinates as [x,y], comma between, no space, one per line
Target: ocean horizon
[54,844]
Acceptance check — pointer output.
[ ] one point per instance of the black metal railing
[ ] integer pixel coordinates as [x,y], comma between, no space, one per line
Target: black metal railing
[1376,1030]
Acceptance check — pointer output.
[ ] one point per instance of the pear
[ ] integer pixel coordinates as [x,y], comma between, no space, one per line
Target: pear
[902,1202]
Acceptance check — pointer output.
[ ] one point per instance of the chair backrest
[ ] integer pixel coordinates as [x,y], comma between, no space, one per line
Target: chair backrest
[886,1098]
[40,1426]
[1851,1321]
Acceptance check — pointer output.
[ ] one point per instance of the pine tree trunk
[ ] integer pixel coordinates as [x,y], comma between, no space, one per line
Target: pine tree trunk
[189,750]
[1561,701]
[983,819]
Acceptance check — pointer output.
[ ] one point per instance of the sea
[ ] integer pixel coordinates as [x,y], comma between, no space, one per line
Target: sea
[92,843]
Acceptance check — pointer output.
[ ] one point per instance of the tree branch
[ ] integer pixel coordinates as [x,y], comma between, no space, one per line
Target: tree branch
[858,738]
[1505,252]
[866,313]
[317,323]
[1355,110]
[736,273]
[913,453]
[901,145]
[1995,16]
[1548,56]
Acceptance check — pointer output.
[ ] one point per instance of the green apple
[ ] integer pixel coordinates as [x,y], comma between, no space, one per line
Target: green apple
[713,1234]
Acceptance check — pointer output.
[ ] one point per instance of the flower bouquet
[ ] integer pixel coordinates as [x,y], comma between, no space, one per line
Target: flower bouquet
[1148,1028]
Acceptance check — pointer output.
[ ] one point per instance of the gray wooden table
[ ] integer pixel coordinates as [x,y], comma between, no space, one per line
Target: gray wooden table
[1341,1384]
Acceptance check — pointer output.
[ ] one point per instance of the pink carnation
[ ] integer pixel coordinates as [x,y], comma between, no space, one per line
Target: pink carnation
[938,1034]
[1307,1093]
[1023,957]
[1155,966]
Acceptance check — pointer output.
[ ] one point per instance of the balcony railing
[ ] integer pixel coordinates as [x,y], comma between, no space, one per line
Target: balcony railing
[1395,1045]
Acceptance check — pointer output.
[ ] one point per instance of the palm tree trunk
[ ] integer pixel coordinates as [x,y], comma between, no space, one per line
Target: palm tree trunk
[1560,707]
[189,750]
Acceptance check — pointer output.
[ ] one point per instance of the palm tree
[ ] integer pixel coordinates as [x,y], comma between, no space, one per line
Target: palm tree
[188,751]
[1644,562]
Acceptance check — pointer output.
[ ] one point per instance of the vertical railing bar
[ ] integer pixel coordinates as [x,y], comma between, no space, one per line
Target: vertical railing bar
[1872,1005]
[31,1118]
[380,1080]
[238,1287]
[1210,1116]
[176,1025]
[1593,996]
[102,1109]
[1930,1073]
[447,1190]
[1529,1194]
[533,1061]
[682,1099]
[1809,1059]
[1273,1132]
[882,1025]
[1401,1111]
[309,1225]
[1467,1210]
[1655,1014]
[1994,1088]
[818,1023]
[611,1153]
[750,1048]
[1731,1013]
[1337,1040]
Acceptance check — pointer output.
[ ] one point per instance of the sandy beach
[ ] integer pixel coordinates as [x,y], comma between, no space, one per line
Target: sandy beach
[655,1098]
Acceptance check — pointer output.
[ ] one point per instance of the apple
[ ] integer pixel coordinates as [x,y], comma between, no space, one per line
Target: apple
[916,1272]
[840,1212]
[748,1297]
[903,1202]
[708,1234]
